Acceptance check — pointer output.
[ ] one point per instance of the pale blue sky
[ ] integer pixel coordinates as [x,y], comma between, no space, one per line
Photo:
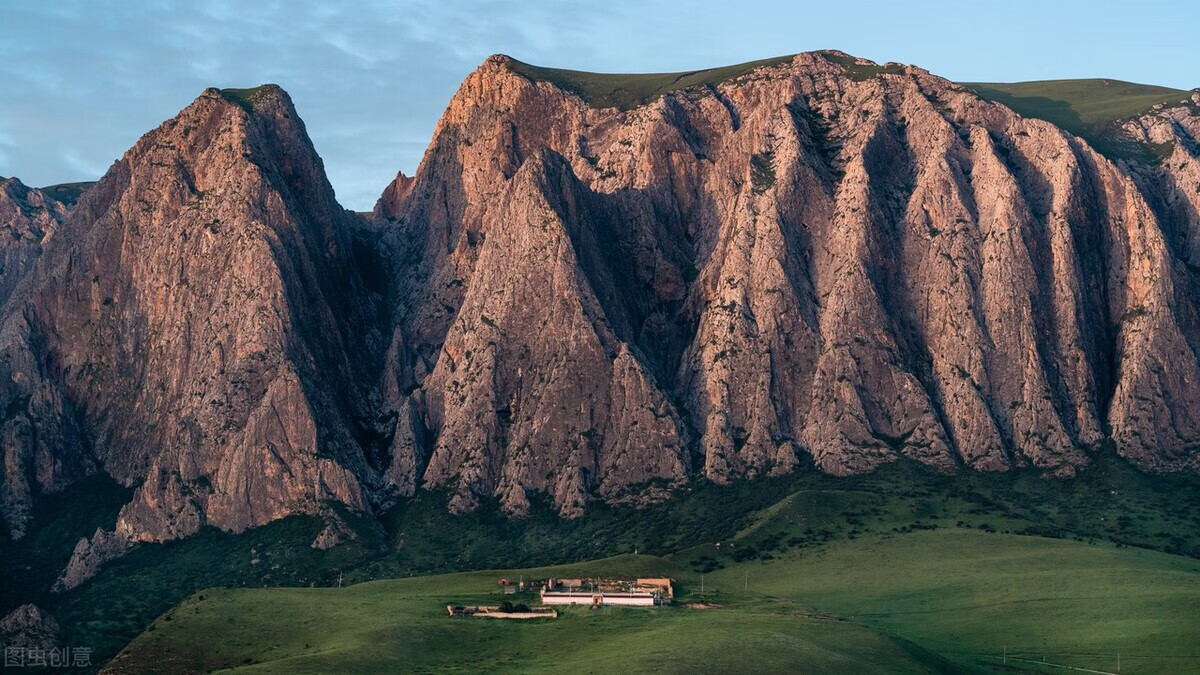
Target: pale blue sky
[81,81]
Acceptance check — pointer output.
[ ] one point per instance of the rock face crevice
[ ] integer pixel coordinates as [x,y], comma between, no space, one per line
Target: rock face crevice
[818,259]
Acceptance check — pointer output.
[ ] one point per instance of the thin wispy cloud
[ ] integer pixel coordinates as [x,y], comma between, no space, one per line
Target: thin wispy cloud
[84,79]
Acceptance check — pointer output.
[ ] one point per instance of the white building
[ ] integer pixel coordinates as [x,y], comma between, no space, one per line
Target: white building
[599,598]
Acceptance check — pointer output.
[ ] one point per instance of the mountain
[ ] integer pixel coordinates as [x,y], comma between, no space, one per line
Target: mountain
[1091,109]
[198,328]
[30,218]
[814,255]
[604,287]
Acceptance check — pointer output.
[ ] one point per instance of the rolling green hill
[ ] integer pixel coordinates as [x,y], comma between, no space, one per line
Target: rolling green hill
[929,601]
[758,522]
[1092,109]
[1076,105]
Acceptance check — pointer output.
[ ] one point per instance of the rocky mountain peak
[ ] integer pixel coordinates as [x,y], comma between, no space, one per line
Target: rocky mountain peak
[192,333]
[601,286]
[799,256]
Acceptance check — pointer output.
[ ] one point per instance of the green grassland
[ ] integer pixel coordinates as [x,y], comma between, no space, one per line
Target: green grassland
[760,524]
[402,626]
[1092,109]
[926,601]
[68,193]
[1074,104]
[628,90]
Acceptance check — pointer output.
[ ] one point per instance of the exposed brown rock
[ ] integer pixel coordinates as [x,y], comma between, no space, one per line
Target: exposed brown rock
[883,265]
[89,556]
[818,259]
[199,328]
[335,532]
[28,220]
[29,627]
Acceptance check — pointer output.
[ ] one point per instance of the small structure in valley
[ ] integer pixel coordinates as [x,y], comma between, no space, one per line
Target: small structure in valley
[510,588]
[642,592]
[501,612]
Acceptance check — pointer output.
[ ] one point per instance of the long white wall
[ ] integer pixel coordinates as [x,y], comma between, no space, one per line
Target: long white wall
[606,599]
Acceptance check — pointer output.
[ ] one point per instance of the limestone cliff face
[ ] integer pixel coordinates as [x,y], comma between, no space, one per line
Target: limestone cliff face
[1155,413]
[816,259]
[533,388]
[821,257]
[199,329]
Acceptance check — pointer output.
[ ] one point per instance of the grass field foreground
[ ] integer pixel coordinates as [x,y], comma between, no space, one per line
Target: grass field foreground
[926,601]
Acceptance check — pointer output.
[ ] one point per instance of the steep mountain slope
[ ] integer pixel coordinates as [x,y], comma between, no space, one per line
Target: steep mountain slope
[198,328]
[819,256]
[29,218]
[603,287]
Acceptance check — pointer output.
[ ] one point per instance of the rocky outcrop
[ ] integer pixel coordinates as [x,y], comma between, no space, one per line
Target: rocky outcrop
[33,461]
[813,259]
[89,556]
[1154,414]
[29,627]
[820,256]
[334,533]
[28,220]
[199,328]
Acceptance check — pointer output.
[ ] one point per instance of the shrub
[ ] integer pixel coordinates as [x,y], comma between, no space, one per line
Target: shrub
[762,171]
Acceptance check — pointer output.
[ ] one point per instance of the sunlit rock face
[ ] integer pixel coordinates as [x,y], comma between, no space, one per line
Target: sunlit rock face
[816,260]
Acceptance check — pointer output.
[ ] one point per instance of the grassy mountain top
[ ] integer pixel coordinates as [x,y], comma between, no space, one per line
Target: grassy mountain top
[1076,104]
[68,193]
[627,90]
[247,98]
[1091,109]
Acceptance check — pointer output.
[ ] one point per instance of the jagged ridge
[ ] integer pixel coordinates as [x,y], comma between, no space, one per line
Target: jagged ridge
[198,328]
[603,293]
[880,264]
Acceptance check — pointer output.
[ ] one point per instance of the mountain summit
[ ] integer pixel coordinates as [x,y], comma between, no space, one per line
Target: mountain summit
[604,286]
[814,255]
[198,329]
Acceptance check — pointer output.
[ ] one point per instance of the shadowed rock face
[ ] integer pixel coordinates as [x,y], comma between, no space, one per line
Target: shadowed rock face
[28,220]
[29,627]
[199,329]
[817,258]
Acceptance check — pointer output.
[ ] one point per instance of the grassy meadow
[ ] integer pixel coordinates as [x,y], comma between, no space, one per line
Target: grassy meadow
[924,601]
[826,565]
